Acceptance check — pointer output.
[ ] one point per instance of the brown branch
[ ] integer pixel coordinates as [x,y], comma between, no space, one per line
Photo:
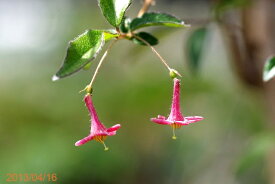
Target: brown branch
[146,5]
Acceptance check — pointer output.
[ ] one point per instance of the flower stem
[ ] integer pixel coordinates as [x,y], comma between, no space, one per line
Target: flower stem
[89,87]
[101,61]
[156,52]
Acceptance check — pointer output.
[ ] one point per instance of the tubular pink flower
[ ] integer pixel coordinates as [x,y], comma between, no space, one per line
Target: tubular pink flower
[98,131]
[176,119]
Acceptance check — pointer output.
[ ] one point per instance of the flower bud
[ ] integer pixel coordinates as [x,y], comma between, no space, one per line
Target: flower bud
[174,73]
[89,89]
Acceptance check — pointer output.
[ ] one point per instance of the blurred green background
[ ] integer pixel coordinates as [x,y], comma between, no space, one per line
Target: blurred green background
[40,120]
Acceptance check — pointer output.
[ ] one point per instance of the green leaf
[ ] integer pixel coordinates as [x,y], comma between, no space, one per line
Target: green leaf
[221,6]
[125,25]
[80,52]
[195,45]
[109,34]
[156,19]
[147,37]
[87,66]
[114,10]
[269,69]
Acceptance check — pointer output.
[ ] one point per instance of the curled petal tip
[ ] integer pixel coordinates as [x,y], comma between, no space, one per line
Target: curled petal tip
[77,143]
[114,128]
[117,126]
[193,119]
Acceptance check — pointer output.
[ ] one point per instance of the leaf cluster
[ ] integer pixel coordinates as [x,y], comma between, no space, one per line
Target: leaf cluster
[85,47]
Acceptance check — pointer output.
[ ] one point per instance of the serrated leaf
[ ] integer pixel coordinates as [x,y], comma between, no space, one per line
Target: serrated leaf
[147,37]
[114,10]
[80,52]
[195,45]
[156,19]
[269,69]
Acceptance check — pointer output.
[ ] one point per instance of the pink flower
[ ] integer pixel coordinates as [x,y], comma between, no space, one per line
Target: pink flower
[98,131]
[176,119]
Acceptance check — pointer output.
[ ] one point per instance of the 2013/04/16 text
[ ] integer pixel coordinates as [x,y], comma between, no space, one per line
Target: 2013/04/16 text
[34,177]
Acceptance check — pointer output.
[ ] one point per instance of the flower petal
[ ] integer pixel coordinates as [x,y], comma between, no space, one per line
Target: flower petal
[161,121]
[112,133]
[114,128]
[193,119]
[182,123]
[84,140]
[161,117]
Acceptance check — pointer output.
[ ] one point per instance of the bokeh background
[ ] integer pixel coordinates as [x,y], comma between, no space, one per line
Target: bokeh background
[40,120]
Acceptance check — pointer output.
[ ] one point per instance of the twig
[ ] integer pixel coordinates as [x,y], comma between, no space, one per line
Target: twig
[146,5]
[159,56]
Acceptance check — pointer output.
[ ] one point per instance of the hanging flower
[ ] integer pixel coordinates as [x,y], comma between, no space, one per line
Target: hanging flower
[176,119]
[98,131]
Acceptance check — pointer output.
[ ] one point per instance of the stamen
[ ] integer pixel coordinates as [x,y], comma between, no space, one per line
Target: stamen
[105,147]
[174,135]
[101,138]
